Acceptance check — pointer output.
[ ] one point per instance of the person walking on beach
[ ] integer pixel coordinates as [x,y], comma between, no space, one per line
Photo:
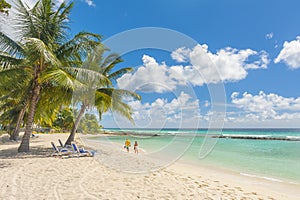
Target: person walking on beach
[127,144]
[135,147]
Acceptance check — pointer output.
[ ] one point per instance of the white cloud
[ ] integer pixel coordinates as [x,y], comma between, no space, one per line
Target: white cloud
[227,65]
[276,44]
[246,110]
[267,106]
[182,111]
[206,103]
[151,77]
[90,2]
[230,62]
[269,35]
[290,54]
[181,54]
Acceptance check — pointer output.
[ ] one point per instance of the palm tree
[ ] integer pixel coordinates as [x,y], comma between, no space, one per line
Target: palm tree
[13,99]
[101,96]
[44,51]
[64,119]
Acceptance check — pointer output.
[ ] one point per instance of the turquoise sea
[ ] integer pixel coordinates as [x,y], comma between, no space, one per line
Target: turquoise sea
[277,160]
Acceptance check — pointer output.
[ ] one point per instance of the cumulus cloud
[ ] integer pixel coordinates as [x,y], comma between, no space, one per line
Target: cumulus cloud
[290,53]
[181,54]
[204,67]
[267,106]
[181,111]
[246,110]
[151,77]
[227,65]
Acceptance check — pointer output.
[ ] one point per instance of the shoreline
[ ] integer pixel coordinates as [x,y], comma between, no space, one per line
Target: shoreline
[239,171]
[283,189]
[221,136]
[39,176]
[215,164]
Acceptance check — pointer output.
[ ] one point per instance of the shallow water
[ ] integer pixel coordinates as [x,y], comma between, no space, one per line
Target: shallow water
[277,160]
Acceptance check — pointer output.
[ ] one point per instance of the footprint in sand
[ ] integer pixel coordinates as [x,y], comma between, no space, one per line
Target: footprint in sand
[239,188]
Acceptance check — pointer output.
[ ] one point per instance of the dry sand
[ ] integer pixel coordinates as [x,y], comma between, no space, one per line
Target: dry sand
[37,175]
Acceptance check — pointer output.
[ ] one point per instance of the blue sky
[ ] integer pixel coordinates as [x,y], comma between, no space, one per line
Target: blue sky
[252,44]
[256,25]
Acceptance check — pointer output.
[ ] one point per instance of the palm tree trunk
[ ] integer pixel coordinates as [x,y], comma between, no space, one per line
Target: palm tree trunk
[76,124]
[24,146]
[15,134]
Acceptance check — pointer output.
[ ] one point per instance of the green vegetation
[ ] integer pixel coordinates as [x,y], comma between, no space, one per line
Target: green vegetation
[101,94]
[4,6]
[64,120]
[89,124]
[41,72]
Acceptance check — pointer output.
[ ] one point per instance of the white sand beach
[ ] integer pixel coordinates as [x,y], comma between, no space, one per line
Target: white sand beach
[37,175]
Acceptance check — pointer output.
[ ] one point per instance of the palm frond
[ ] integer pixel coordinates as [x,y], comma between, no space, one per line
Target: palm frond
[123,109]
[119,93]
[115,101]
[79,45]
[37,49]
[110,62]
[8,45]
[8,61]
[119,73]
[25,20]
[89,77]
[59,76]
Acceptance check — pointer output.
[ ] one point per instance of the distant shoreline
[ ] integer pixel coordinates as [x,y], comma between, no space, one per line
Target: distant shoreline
[228,136]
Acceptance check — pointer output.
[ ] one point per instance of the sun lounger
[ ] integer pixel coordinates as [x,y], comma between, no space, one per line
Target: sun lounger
[61,151]
[64,146]
[82,151]
[60,143]
[34,135]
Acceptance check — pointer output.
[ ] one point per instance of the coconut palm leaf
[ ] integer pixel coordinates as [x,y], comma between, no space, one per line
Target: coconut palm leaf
[37,50]
[8,61]
[117,74]
[77,47]
[25,21]
[109,62]
[8,45]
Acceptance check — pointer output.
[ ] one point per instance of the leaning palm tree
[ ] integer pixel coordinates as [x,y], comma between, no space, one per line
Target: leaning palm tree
[14,99]
[43,49]
[13,111]
[101,96]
